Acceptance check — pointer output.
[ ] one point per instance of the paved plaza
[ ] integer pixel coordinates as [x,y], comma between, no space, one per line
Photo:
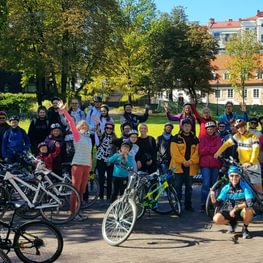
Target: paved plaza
[161,239]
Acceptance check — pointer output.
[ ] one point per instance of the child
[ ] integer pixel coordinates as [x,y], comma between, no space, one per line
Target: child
[120,174]
[47,157]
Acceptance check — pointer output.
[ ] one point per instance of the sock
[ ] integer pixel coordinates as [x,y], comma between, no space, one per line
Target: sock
[245,226]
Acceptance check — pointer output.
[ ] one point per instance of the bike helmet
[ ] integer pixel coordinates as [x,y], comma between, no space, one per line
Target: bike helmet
[132,132]
[3,113]
[54,126]
[233,170]
[41,145]
[210,124]
[187,121]
[14,118]
[126,143]
[97,99]
[239,123]
[169,124]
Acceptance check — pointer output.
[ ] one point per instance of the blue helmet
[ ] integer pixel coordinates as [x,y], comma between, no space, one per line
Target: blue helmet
[233,169]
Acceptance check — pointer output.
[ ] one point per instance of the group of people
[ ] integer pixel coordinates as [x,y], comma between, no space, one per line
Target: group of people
[72,135]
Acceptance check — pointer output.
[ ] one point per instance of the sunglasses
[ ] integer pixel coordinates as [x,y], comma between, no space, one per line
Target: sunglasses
[2,118]
[109,128]
[234,175]
[253,122]
[221,126]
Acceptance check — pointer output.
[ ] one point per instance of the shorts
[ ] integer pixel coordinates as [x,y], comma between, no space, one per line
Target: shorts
[238,215]
[255,175]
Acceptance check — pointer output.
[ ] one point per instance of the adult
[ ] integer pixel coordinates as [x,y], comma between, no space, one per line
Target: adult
[222,131]
[229,115]
[185,114]
[125,128]
[163,143]
[38,129]
[202,119]
[248,152]
[53,113]
[92,115]
[82,159]
[260,120]
[252,126]
[75,111]
[105,149]
[15,141]
[208,146]
[147,155]
[185,159]
[104,117]
[3,127]
[132,118]
[236,203]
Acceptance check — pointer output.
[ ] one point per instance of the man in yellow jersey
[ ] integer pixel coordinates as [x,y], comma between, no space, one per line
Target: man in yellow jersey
[248,152]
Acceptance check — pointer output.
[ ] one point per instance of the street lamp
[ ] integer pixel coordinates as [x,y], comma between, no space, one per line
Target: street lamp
[217,95]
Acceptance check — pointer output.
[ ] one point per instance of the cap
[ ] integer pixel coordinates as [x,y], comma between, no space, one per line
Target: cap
[3,113]
[187,121]
[97,99]
[233,169]
[126,143]
[42,144]
[169,124]
[210,124]
[253,119]
[109,123]
[55,98]
[239,123]
[14,118]
[132,132]
[55,126]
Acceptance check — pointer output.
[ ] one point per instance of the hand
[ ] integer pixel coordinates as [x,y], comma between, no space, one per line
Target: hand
[57,144]
[96,119]
[149,162]
[243,107]
[216,155]
[61,105]
[186,164]
[166,107]
[139,164]
[246,165]
[212,195]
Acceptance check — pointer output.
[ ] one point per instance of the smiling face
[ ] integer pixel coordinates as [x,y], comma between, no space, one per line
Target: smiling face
[229,108]
[210,131]
[2,119]
[206,113]
[187,109]
[143,130]
[242,129]
[14,124]
[234,178]
[74,104]
[187,128]
[128,108]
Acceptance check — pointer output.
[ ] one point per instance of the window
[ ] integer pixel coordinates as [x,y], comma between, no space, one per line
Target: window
[261,37]
[230,93]
[256,93]
[217,93]
[245,93]
[260,74]
[216,35]
[226,76]
[159,95]
[166,94]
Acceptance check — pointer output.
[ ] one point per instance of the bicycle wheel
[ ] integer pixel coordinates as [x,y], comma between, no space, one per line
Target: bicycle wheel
[4,198]
[209,207]
[118,221]
[167,200]
[3,257]
[64,212]
[139,199]
[93,191]
[24,211]
[38,241]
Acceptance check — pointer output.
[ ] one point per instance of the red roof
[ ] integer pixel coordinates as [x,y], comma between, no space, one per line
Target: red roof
[226,24]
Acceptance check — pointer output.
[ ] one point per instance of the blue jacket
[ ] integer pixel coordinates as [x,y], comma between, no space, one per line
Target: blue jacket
[15,142]
[226,118]
[119,162]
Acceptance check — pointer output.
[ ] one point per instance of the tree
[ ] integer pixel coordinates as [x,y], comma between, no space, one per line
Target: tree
[180,55]
[244,50]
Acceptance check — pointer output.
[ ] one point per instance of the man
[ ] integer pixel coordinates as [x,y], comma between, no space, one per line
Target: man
[75,111]
[3,127]
[15,141]
[92,115]
[253,124]
[163,143]
[53,112]
[125,128]
[248,151]
[229,115]
[185,159]
[133,119]
[235,202]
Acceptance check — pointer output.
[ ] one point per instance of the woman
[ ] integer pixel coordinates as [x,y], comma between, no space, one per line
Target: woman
[105,149]
[104,118]
[208,146]
[82,160]
[38,129]
[147,155]
[186,114]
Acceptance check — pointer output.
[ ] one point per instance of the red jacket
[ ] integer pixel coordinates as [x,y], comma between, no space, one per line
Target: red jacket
[208,146]
[48,159]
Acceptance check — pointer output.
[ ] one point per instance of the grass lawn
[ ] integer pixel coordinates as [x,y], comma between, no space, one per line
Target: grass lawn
[155,123]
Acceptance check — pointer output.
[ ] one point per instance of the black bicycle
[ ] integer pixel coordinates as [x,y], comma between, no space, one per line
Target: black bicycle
[33,242]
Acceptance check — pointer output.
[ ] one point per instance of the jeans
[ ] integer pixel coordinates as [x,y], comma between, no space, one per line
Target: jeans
[209,177]
[187,180]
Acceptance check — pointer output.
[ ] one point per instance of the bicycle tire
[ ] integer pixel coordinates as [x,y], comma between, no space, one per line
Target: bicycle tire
[209,207]
[93,191]
[174,201]
[60,214]
[24,211]
[4,198]
[32,237]
[4,258]
[119,221]
[139,199]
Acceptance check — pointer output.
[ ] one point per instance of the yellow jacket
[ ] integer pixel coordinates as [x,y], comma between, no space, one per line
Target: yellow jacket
[247,147]
[178,148]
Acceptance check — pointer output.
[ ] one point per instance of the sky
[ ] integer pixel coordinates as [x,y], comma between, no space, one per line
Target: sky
[202,10]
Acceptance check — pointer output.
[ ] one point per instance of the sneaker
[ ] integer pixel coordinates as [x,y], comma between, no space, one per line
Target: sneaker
[245,233]
[232,227]
[83,204]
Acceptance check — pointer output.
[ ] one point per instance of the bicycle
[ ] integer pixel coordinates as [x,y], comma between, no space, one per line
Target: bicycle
[120,217]
[52,202]
[36,241]
[258,205]
[3,257]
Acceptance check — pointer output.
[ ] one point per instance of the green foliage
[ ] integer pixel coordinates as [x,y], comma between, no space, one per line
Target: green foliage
[17,103]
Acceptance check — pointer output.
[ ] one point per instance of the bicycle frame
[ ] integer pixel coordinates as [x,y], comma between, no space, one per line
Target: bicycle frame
[12,179]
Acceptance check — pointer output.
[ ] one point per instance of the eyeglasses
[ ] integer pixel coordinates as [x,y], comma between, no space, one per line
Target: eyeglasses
[221,126]
[234,175]
[253,122]
[74,103]
[109,128]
